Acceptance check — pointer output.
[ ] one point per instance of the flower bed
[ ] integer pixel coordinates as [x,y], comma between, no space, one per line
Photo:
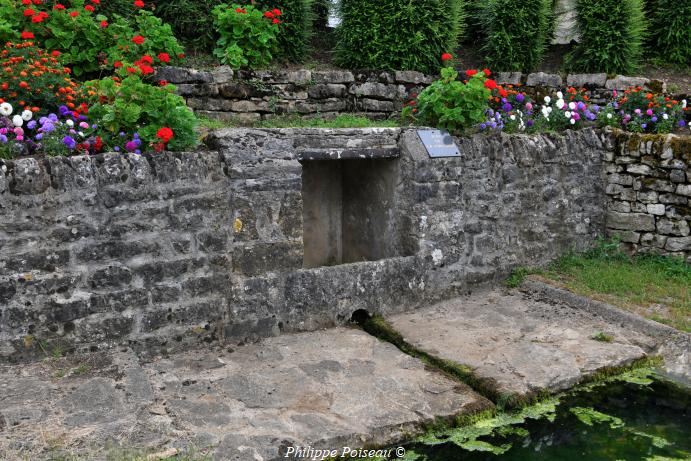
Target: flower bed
[49,102]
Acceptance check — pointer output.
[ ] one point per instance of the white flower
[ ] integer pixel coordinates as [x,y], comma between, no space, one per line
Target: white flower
[548,99]
[560,104]
[69,123]
[572,105]
[560,95]
[567,114]
[27,115]
[683,103]
[573,121]
[17,120]
[609,116]
[665,116]
[5,109]
[81,134]
[512,117]
[545,112]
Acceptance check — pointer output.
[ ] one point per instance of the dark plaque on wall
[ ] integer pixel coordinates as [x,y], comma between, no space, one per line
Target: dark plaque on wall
[438,143]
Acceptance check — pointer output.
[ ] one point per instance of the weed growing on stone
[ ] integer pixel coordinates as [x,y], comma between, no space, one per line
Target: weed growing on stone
[602,337]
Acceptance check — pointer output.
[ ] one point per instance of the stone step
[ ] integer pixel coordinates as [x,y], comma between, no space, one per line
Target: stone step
[518,346]
[326,389]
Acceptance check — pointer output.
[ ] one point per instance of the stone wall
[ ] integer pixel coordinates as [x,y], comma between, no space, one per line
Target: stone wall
[283,230]
[249,96]
[649,193]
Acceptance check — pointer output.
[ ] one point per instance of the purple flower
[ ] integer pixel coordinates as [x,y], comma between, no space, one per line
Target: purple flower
[31,125]
[137,142]
[682,123]
[520,97]
[637,112]
[529,123]
[63,110]
[48,127]
[483,126]
[69,142]
[116,149]
[649,112]
[3,138]
[644,126]
[53,118]
[507,107]
[493,125]
[654,119]
[596,108]
[576,116]
[130,146]
[39,136]
[580,105]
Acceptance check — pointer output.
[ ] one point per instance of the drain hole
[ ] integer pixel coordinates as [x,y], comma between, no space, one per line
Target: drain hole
[360,316]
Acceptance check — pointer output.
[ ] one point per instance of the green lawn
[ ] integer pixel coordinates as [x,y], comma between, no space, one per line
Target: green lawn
[656,287]
[291,121]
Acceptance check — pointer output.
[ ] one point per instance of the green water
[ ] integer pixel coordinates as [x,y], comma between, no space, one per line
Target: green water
[650,420]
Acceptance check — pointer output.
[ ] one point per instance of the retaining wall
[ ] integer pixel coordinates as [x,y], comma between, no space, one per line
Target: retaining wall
[253,95]
[271,231]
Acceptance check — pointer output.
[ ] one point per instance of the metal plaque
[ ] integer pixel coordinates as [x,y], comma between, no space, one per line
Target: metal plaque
[438,143]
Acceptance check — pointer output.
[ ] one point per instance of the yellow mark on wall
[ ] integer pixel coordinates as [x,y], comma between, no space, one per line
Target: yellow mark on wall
[237,225]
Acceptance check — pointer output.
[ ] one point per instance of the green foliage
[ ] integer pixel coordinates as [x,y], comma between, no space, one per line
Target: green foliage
[190,21]
[295,32]
[670,31]
[602,337]
[89,42]
[9,21]
[136,107]
[397,35]
[248,39]
[517,276]
[658,287]
[517,33]
[612,33]
[450,104]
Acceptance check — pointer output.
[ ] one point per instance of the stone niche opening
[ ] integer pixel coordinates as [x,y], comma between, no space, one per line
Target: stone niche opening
[349,211]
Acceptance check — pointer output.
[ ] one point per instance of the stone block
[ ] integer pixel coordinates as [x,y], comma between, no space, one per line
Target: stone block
[656,209]
[222,74]
[676,244]
[639,169]
[684,189]
[327,90]
[621,82]
[508,78]
[374,105]
[333,76]
[30,177]
[630,221]
[543,79]
[653,240]
[378,91]
[410,76]
[237,90]
[622,179]
[586,80]
[673,227]
[196,89]
[626,236]
[177,75]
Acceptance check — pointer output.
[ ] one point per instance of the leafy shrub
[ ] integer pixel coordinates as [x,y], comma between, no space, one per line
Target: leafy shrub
[247,36]
[612,33]
[190,21]
[396,35]
[321,10]
[670,31]
[450,104]
[33,78]
[295,32]
[517,33]
[133,107]
[88,41]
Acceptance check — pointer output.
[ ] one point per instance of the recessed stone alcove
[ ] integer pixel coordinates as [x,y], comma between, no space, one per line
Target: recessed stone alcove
[349,211]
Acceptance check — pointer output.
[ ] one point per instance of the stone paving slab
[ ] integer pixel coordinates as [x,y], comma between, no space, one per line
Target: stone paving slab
[326,389]
[521,345]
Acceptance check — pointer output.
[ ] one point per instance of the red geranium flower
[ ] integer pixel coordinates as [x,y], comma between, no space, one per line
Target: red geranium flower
[55,53]
[163,83]
[59,6]
[138,39]
[470,72]
[27,35]
[165,134]
[26,2]
[104,24]
[89,8]
[503,93]
[276,21]
[446,56]
[268,14]
[487,72]
[29,12]
[276,12]
[96,2]
[139,3]
[241,10]
[117,64]
[131,70]
[147,59]
[74,14]
[490,84]
[164,57]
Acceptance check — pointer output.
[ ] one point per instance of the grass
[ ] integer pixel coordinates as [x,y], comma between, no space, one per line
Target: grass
[656,287]
[342,121]
[602,337]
